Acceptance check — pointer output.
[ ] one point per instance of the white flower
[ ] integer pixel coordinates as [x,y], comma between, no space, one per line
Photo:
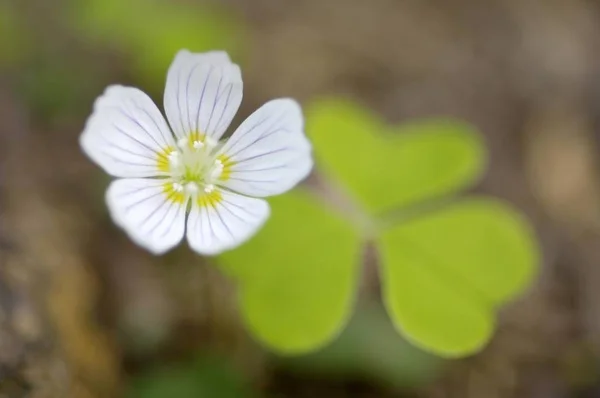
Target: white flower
[183,179]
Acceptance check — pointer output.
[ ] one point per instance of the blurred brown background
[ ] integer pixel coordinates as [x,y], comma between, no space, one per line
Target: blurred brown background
[83,311]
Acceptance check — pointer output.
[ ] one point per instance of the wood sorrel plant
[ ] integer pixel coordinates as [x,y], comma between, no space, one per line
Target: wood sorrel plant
[446,262]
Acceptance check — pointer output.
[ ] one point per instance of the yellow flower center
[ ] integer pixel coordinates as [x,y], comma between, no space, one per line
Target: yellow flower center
[193,170]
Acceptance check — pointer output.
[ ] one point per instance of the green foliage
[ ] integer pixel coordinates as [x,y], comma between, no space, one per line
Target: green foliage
[297,275]
[445,272]
[152,31]
[15,41]
[54,86]
[387,168]
[203,377]
[370,349]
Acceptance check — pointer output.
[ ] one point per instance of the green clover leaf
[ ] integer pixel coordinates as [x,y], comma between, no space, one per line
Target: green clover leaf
[387,168]
[445,270]
[297,276]
[445,273]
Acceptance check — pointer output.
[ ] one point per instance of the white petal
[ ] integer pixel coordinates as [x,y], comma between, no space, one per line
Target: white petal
[215,57]
[224,222]
[269,153]
[151,213]
[126,133]
[203,93]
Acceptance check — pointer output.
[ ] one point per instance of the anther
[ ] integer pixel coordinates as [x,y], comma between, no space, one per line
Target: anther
[209,188]
[211,142]
[191,188]
[216,170]
[177,187]
[198,144]
[182,143]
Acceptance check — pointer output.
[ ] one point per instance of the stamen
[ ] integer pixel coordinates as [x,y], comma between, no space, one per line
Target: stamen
[174,158]
[198,145]
[191,188]
[177,187]
[216,170]
[211,142]
[209,188]
[182,143]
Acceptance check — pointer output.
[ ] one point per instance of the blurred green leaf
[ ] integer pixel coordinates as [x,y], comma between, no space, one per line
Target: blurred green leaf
[390,167]
[15,40]
[205,377]
[297,276]
[445,273]
[370,349]
[152,31]
[53,87]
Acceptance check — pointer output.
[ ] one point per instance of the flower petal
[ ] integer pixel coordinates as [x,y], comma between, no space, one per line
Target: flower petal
[222,220]
[203,93]
[126,134]
[150,212]
[269,153]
